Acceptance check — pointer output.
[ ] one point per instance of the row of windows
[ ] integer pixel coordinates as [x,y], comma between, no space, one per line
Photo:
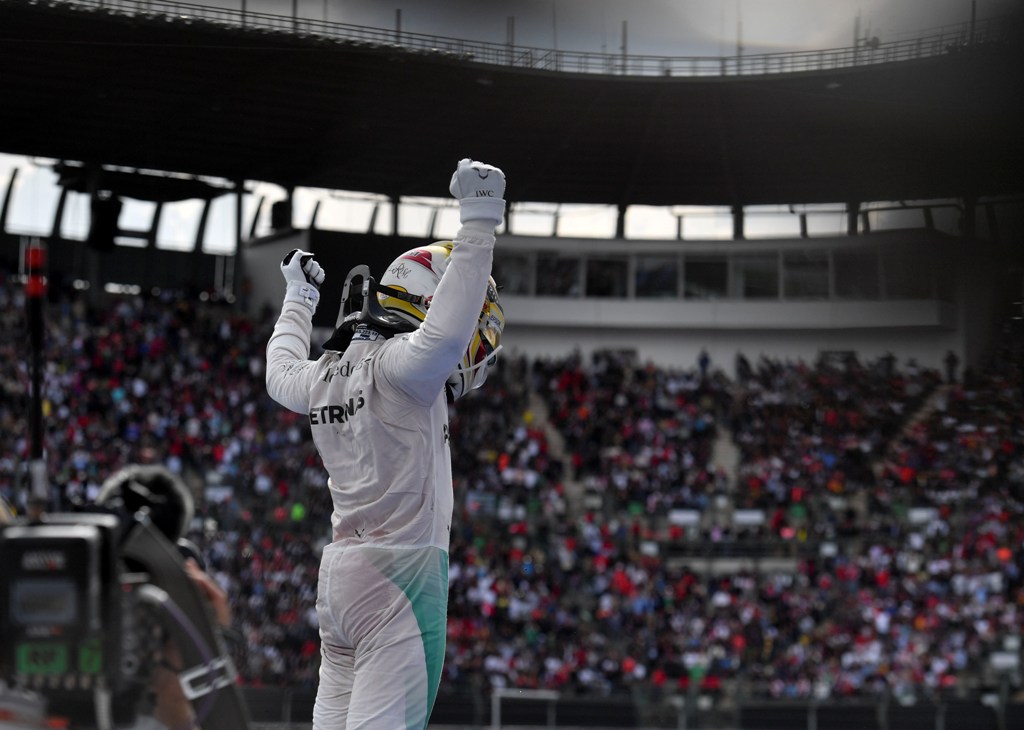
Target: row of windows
[35,193]
[874,272]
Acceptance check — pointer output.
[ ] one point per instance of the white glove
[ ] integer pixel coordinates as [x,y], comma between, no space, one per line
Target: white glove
[303,277]
[480,189]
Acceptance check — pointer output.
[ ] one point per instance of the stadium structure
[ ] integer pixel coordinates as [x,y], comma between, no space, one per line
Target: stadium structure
[920,136]
[891,173]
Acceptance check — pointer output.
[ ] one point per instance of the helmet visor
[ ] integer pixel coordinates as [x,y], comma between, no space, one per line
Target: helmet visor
[492,322]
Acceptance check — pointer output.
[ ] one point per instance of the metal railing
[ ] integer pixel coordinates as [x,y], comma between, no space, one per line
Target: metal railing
[940,41]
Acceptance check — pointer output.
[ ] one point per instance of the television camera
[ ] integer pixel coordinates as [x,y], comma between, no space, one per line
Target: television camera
[88,601]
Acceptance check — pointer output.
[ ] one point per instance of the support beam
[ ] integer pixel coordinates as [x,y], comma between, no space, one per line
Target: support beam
[737,223]
[236,285]
[852,211]
[7,200]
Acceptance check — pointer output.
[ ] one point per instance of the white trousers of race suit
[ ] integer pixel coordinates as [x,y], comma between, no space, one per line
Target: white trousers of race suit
[383,629]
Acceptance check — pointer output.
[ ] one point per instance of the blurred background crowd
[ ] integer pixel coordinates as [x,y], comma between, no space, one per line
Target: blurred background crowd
[788,529]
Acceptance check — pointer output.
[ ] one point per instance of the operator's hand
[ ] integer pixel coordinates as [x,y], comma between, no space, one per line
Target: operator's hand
[211,591]
[172,707]
[480,189]
[303,276]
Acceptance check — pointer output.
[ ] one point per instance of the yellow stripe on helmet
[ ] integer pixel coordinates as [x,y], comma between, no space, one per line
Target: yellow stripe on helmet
[390,302]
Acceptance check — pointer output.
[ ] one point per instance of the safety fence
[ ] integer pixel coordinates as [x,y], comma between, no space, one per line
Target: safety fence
[940,41]
[514,708]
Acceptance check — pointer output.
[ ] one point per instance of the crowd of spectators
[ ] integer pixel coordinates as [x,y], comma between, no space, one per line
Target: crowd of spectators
[546,592]
[639,436]
[810,436]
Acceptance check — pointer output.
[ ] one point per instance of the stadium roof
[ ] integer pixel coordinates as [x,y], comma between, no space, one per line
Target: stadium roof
[207,97]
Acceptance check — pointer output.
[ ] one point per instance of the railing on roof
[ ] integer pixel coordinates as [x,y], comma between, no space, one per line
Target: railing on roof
[944,40]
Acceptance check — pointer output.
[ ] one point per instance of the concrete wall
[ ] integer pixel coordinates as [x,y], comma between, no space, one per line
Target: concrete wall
[672,332]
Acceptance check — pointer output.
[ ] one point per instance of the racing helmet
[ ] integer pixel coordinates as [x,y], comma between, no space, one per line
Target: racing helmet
[404,294]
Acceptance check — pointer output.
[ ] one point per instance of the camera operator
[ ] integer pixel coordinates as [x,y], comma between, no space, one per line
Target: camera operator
[166,501]
[172,708]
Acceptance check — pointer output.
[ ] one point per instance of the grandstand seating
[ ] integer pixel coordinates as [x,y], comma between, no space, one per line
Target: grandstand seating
[903,535]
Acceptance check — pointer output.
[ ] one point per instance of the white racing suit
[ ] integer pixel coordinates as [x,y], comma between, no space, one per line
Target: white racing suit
[379,418]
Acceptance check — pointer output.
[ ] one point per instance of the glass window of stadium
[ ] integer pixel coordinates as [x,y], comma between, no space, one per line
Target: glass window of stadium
[179,223]
[532,219]
[890,216]
[907,274]
[558,276]
[805,275]
[34,199]
[586,221]
[856,273]
[417,218]
[705,277]
[74,224]
[656,276]
[607,277]
[514,273]
[755,276]
[651,222]
[770,221]
[705,222]
[824,220]
[135,218]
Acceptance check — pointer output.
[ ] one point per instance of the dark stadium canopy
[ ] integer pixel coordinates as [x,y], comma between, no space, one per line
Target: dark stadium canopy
[201,98]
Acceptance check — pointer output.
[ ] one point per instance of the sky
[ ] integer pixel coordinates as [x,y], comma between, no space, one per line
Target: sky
[656,27]
[648,27]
